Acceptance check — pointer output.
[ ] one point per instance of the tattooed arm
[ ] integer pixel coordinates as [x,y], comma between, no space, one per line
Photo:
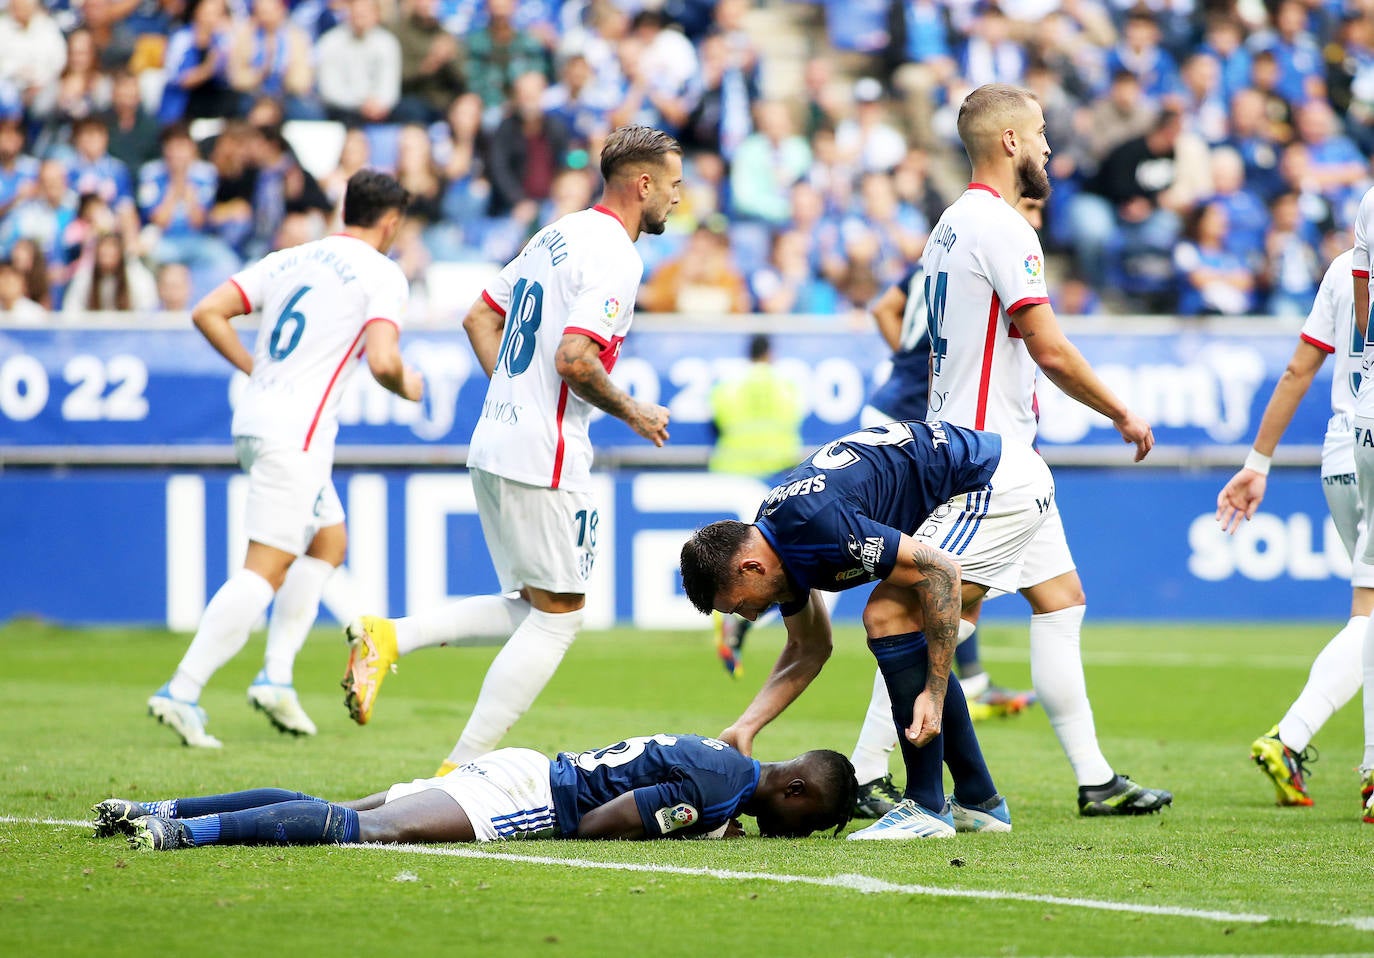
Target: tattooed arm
[578,361]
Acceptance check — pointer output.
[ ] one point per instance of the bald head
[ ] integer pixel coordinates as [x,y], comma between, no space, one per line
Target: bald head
[988,112]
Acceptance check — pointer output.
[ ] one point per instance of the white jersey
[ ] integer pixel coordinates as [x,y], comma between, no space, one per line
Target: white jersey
[1359,269]
[983,262]
[1331,328]
[578,275]
[316,300]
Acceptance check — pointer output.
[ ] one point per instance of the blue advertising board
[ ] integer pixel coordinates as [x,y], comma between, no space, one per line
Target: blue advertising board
[150,546]
[166,388]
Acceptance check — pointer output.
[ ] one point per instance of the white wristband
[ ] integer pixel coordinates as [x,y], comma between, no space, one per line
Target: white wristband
[1258,462]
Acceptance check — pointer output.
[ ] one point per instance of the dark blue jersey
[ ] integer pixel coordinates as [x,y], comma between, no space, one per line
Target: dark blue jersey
[836,520]
[684,785]
[906,392]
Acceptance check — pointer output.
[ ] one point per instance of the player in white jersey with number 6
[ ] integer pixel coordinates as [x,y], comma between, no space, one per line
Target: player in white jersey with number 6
[1335,675]
[323,305]
[991,327]
[547,331]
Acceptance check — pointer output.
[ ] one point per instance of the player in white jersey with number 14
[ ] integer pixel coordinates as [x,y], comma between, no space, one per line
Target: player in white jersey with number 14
[323,305]
[991,328]
[1335,675]
[547,331]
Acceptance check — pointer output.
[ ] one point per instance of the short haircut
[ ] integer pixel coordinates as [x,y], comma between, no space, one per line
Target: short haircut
[707,560]
[635,145]
[839,788]
[986,112]
[760,345]
[175,131]
[369,194]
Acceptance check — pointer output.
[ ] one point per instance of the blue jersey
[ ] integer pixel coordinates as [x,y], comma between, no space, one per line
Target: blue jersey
[684,785]
[836,520]
[906,393]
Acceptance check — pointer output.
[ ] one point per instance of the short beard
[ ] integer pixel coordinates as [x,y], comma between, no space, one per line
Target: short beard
[649,225]
[1032,182]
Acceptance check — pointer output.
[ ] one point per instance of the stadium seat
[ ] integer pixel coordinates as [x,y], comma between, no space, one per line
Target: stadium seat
[316,143]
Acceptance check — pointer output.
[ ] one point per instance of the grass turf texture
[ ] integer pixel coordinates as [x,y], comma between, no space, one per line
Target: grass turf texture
[1175,706]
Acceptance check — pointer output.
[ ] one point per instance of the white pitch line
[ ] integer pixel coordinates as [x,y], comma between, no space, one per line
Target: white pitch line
[863,884]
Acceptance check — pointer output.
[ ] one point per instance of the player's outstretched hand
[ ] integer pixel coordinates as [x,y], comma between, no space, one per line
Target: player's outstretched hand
[651,422]
[1240,498]
[412,385]
[738,738]
[1136,430]
[925,719]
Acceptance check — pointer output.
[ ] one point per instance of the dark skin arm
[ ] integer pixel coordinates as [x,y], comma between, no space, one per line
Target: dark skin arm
[617,819]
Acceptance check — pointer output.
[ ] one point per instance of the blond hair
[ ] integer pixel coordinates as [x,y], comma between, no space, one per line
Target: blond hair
[987,112]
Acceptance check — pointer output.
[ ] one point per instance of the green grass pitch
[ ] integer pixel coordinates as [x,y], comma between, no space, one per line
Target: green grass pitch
[1175,706]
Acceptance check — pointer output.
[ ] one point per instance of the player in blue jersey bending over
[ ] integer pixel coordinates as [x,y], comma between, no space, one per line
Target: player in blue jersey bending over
[940,514]
[657,786]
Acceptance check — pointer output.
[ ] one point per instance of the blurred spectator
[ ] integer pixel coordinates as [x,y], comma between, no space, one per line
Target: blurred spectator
[824,107]
[758,418]
[528,150]
[175,195]
[133,132]
[702,280]
[668,55]
[278,186]
[1211,279]
[572,190]
[990,55]
[577,100]
[15,306]
[418,173]
[1315,211]
[1246,215]
[720,119]
[297,228]
[857,280]
[868,138]
[107,279]
[353,157]
[787,284]
[831,172]
[27,257]
[859,26]
[767,165]
[921,59]
[271,56]
[914,189]
[1200,98]
[358,67]
[92,169]
[431,62]
[112,35]
[1140,52]
[1350,76]
[898,230]
[1296,52]
[83,89]
[461,150]
[1251,137]
[500,52]
[651,96]
[32,49]
[1071,296]
[232,156]
[1336,169]
[18,170]
[1294,267]
[1119,116]
[174,287]
[44,216]
[1278,112]
[1223,42]
[197,63]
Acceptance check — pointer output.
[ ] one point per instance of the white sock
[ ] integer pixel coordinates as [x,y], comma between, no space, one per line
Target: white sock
[1368,656]
[1333,681]
[293,613]
[516,677]
[1057,674]
[476,620]
[975,685]
[223,630]
[877,737]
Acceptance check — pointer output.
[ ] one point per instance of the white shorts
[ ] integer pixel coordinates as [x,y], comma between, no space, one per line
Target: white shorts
[1343,498]
[505,794]
[1363,557]
[291,494]
[990,530]
[539,537]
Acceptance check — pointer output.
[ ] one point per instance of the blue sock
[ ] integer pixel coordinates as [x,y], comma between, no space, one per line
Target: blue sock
[204,830]
[904,661]
[290,823]
[966,657]
[233,802]
[964,756]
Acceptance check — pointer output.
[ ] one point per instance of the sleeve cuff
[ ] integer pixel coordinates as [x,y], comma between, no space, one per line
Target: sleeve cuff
[1313,341]
[1021,304]
[583,331]
[486,297]
[247,306]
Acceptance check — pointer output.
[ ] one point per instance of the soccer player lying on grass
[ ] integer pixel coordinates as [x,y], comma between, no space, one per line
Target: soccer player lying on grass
[657,786]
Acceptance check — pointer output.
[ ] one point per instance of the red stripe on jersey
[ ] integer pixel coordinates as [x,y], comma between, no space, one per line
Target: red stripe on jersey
[600,340]
[984,186]
[1021,304]
[985,378]
[1313,341]
[558,449]
[1013,332]
[319,410]
[1360,273]
[611,213]
[610,348]
[486,297]
[247,306]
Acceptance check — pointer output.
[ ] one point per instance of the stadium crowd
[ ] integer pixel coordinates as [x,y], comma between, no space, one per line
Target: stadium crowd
[1209,154]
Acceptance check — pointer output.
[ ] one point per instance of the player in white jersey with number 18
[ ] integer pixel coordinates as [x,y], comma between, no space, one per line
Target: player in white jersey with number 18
[1335,675]
[547,331]
[1364,467]
[991,327]
[323,305]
